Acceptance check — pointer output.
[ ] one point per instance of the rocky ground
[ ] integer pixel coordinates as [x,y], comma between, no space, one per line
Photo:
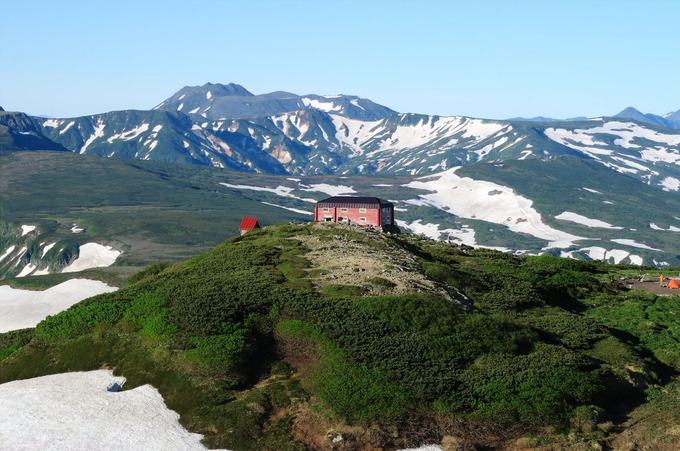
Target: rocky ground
[368,259]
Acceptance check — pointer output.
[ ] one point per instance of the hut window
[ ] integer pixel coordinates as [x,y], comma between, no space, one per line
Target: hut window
[362,210]
[344,210]
[326,210]
[362,219]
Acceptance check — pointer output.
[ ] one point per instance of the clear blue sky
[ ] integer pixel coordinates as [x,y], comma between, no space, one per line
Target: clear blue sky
[480,58]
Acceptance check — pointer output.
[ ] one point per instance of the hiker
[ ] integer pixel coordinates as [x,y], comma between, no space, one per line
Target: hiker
[661,279]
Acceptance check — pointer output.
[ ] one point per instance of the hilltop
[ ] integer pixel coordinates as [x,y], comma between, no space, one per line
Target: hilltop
[332,337]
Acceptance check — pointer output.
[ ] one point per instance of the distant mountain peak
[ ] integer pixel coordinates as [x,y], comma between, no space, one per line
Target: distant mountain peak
[219,101]
[628,110]
[635,114]
[230,89]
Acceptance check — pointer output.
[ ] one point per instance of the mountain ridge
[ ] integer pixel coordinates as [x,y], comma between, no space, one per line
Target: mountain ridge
[671,119]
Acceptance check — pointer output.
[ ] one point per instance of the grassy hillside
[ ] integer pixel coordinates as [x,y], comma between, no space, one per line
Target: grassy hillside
[154,212]
[293,336]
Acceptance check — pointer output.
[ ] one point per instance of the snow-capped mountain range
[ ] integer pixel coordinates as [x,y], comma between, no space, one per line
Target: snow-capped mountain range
[227,126]
[536,161]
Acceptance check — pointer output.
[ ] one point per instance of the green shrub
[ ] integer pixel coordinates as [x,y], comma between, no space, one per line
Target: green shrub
[147,312]
[359,395]
[225,354]
[13,340]
[380,282]
[83,317]
[149,271]
[343,290]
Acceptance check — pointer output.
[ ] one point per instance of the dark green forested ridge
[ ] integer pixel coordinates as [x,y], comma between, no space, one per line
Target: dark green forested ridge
[254,347]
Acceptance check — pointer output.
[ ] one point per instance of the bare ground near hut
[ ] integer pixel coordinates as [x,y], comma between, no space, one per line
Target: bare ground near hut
[346,259]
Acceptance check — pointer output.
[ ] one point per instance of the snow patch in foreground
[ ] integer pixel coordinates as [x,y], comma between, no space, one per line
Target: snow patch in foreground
[93,255]
[20,309]
[477,199]
[75,411]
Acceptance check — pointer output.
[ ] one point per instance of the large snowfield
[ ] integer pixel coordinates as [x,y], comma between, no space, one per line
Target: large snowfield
[93,255]
[75,411]
[25,308]
[477,199]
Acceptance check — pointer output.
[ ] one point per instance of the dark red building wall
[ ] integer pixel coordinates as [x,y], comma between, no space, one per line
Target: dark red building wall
[372,215]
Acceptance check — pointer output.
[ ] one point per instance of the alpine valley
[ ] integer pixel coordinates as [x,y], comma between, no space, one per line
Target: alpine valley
[176,179]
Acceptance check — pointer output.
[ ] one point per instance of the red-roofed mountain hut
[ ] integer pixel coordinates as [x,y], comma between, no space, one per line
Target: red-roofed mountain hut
[364,211]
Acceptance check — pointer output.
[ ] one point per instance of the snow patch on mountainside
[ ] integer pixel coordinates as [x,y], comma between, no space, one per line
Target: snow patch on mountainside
[98,133]
[602,254]
[633,243]
[93,255]
[28,269]
[26,229]
[7,252]
[53,123]
[594,191]
[661,154]
[354,133]
[76,411]
[130,134]
[46,249]
[476,199]
[670,184]
[295,210]
[429,230]
[651,226]
[331,190]
[579,219]
[323,106]
[69,125]
[626,132]
[20,309]
[280,190]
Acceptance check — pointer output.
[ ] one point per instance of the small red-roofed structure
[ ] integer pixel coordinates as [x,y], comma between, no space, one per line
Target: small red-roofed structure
[248,224]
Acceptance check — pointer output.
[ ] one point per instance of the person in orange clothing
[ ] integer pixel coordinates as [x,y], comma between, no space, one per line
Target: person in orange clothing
[661,279]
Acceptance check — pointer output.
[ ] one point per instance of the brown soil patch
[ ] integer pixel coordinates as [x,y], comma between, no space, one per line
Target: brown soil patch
[652,287]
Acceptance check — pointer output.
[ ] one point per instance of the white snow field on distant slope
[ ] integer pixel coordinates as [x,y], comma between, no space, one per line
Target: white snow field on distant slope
[93,255]
[331,190]
[583,220]
[464,235]
[602,254]
[75,411]
[26,308]
[477,199]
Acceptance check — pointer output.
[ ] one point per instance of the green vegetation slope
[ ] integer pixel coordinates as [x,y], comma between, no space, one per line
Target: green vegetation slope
[264,343]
